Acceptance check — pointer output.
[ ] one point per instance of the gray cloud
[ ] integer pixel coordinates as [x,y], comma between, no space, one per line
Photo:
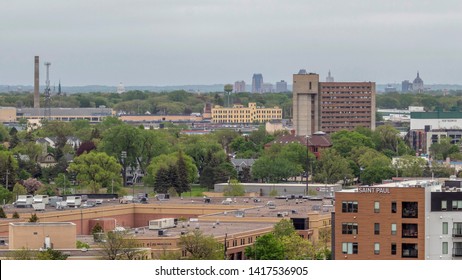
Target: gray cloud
[169,42]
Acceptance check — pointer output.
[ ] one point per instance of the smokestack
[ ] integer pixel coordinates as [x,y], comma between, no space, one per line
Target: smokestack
[36,83]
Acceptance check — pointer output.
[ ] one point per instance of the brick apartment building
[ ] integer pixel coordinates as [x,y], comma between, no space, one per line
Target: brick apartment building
[414,220]
[331,106]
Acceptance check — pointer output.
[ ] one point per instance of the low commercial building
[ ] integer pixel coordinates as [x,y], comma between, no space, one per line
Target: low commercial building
[55,235]
[93,115]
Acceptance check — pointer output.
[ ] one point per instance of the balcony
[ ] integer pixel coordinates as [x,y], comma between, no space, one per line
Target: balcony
[457,252]
[410,253]
[457,232]
[409,231]
[409,250]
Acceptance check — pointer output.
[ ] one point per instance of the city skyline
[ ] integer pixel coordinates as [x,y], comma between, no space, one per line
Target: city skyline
[179,43]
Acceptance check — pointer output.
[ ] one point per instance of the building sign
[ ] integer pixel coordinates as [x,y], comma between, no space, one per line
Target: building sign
[379,190]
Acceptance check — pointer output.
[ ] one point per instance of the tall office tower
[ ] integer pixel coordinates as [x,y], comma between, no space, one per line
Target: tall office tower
[36,83]
[329,78]
[257,83]
[239,86]
[281,86]
[331,107]
[406,86]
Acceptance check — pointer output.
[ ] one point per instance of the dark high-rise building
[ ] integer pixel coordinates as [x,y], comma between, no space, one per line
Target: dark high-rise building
[257,83]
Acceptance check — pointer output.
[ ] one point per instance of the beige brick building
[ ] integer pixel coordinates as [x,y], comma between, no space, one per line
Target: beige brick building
[61,235]
[241,114]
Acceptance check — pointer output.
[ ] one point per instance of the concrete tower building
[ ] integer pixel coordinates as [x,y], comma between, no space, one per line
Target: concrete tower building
[305,102]
[36,83]
[331,106]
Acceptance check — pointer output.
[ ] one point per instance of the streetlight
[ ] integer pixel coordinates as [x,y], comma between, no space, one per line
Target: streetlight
[307,191]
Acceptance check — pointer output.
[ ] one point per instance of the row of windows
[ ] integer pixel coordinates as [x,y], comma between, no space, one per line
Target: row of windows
[408,230]
[409,208]
[456,205]
[409,250]
[241,241]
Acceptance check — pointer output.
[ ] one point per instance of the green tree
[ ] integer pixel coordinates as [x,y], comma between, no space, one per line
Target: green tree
[201,247]
[18,190]
[50,254]
[123,142]
[120,245]
[96,168]
[5,195]
[2,213]
[8,168]
[332,167]
[443,149]
[162,183]
[234,188]
[266,247]
[183,180]
[22,254]
[410,166]
[345,141]
[33,218]
[386,137]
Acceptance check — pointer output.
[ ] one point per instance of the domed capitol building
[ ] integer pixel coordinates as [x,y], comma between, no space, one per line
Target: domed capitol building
[418,84]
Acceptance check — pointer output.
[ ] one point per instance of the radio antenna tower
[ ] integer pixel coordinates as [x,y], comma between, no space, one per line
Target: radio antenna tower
[47,115]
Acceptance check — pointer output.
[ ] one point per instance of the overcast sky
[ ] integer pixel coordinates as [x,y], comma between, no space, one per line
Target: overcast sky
[180,42]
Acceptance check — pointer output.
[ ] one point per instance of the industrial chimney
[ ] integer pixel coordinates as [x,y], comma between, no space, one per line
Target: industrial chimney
[36,83]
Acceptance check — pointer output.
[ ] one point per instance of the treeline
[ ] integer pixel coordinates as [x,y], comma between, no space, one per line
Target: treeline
[142,102]
[431,101]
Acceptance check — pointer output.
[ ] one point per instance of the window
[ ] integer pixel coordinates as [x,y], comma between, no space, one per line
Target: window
[409,230]
[409,250]
[376,228]
[409,210]
[349,206]
[445,227]
[393,229]
[376,248]
[444,205]
[350,248]
[393,207]
[349,228]
[457,205]
[445,248]
[376,207]
[393,248]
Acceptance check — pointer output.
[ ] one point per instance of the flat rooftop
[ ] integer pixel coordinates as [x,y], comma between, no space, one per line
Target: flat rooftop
[433,184]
